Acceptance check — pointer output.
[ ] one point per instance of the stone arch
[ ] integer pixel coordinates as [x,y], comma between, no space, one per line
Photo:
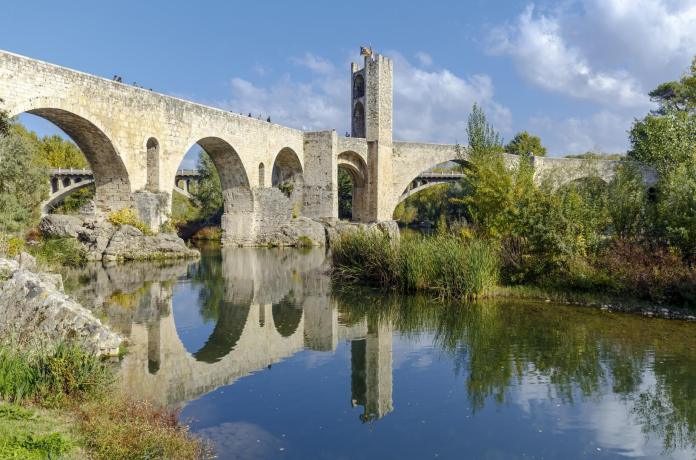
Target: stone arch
[111,178]
[410,184]
[286,167]
[356,167]
[237,219]
[358,120]
[358,86]
[287,175]
[262,175]
[152,149]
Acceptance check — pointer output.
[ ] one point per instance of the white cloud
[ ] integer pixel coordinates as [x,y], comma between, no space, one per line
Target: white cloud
[433,105]
[543,56]
[605,131]
[653,39]
[610,53]
[315,64]
[424,58]
[429,104]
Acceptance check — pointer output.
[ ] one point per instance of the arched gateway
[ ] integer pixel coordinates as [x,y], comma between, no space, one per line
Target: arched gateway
[135,139]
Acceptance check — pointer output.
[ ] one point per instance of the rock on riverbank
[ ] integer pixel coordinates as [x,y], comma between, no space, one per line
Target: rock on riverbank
[105,241]
[303,230]
[35,311]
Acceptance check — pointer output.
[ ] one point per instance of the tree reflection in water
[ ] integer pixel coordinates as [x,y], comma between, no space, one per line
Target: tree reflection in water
[583,354]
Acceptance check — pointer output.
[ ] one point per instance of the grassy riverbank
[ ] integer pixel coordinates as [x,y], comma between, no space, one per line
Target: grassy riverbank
[63,404]
[467,267]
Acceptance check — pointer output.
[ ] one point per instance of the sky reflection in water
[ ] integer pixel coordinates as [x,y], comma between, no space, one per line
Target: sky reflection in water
[267,362]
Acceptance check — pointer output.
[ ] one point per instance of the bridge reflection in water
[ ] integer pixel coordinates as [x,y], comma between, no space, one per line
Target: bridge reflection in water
[266,304]
[493,379]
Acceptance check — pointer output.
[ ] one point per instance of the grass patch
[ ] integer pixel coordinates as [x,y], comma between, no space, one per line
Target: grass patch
[59,252]
[73,390]
[34,434]
[67,373]
[124,428]
[443,264]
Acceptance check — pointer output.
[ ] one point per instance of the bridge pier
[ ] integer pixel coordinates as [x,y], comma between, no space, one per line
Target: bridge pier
[152,207]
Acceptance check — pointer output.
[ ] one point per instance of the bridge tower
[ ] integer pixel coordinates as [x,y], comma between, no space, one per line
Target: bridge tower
[371,119]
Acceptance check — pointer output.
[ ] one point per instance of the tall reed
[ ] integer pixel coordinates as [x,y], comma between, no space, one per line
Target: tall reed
[444,264]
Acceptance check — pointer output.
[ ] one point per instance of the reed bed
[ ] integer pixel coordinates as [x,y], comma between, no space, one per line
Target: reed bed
[446,265]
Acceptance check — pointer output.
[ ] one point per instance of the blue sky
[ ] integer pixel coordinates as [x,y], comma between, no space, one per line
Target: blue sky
[575,72]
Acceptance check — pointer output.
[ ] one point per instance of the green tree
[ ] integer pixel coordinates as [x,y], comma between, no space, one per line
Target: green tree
[677,95]
[676,208]
[627,198]
[524,143]
[60,153]
[345,194]
[209,190]
[664,141]
[21,169]
[4,121]
[480,134]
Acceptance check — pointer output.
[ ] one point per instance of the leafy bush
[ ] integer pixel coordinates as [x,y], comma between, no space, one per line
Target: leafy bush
[12,245]
[59,252]
[650,272]
[209,233]
[128,216]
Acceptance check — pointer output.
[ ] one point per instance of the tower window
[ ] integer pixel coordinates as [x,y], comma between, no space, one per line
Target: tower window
[358,86]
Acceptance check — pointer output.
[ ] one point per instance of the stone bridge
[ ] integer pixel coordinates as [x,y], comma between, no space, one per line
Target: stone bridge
[135,139]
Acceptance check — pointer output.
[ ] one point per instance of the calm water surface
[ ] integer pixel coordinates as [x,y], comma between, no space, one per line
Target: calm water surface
[267,361]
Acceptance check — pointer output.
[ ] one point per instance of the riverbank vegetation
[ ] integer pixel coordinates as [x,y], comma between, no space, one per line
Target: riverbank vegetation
[443,265]
[199,217]
[62,402]
[623,237]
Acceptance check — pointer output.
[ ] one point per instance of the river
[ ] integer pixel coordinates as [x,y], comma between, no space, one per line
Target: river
[266,359]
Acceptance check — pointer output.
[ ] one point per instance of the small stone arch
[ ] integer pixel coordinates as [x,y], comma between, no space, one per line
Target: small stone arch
[287,176]
[358,120]
[286,167]
[262,175]
[152,148]
[356,167]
